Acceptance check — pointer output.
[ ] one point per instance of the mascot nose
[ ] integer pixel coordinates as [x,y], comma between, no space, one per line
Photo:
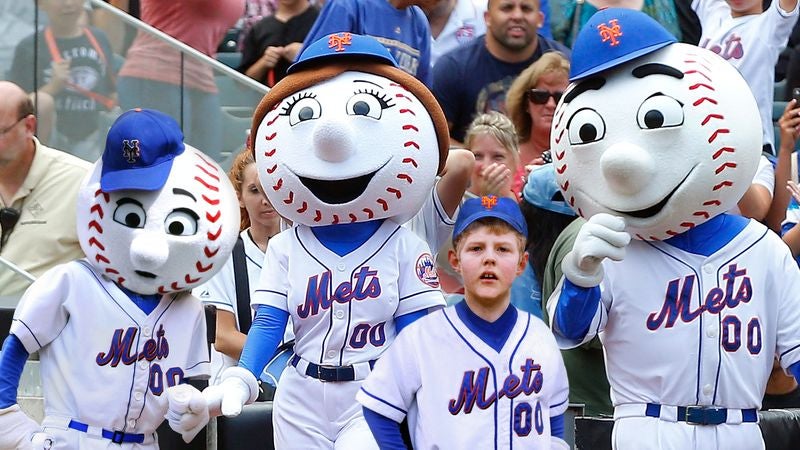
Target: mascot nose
[627,168]
[333,141]
[149,251]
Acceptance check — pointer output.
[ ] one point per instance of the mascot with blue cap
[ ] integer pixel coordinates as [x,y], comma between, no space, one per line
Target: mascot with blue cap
[347,147]
[653,142]
[116,330]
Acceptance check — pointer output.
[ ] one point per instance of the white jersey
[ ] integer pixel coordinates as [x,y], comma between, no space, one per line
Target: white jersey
[464,24]
[750,43]
[220,291]
[431,223]
[343,307]
[103,361]
[765,176]
[684,329]
[460,393]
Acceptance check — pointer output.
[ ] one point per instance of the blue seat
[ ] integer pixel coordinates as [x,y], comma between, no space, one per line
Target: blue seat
[230,59]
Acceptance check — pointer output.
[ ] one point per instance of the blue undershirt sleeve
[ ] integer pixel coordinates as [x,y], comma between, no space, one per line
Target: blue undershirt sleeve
[575,310]
[12,361]
[263,338]
[795,370]
[407,319]
[557,426]
[385,430]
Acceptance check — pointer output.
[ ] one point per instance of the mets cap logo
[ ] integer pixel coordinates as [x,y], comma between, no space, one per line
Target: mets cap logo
[426,270]
[130,150]
[610,32]
[489,201]
[338,41]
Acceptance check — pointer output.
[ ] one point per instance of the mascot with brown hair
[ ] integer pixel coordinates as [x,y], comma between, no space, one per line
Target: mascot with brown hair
[348,147]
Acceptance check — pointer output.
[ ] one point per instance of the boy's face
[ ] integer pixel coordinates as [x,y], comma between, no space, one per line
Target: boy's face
[63,12]
[488,260]
[745,7]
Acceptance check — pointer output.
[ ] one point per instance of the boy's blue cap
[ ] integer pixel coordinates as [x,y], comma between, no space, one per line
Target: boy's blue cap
[342,44]
[541,190]
[613,36]
[140,148]
[502,208]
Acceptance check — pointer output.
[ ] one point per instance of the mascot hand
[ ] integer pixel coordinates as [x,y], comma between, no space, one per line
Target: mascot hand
[602,236]
[188,411]
[239,387]
[17,428]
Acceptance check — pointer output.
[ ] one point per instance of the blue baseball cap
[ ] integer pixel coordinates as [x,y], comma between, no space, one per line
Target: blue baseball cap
[345,44]
[140,148]
[613,36]
[541,190]
[502,208]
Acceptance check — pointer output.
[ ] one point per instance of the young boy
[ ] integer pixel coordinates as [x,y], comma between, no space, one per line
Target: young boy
[481,373]
[72,77]
[749,38]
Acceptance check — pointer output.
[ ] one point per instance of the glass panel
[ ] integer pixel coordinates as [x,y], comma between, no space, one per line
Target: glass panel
[117,65]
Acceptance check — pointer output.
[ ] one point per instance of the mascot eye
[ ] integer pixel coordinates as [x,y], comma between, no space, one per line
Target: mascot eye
[586,126]
[302,108]
[130,213]
[660,111]
[181,222]
[368,104]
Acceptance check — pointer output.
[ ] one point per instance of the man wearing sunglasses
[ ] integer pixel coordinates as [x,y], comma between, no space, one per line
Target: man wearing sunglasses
[475,77]
[38,191]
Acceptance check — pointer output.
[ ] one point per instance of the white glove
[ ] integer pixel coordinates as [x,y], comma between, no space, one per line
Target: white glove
[602,236]
[239,388]
[188,411]
[17,429]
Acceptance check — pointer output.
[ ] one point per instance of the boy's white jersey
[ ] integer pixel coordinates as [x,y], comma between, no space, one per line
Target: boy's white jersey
[343,307]
[472,396]
[103,361]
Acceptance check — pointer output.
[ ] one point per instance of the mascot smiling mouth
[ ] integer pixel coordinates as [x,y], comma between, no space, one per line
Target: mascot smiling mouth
[337,192]
[655,209]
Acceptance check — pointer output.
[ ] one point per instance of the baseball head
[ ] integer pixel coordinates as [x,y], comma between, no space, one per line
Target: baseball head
[665,136]
[348,137]
[156,215]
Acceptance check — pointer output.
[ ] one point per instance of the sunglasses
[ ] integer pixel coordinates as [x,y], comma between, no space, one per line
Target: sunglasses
[541,96]
[8,219]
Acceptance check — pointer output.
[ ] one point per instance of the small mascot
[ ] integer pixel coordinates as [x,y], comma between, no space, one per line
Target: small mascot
[348,147]
[156,217]
[655,140]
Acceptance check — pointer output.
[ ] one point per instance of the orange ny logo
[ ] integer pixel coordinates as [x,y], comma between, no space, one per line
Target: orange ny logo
[610,32]
[488,201]
[338,41]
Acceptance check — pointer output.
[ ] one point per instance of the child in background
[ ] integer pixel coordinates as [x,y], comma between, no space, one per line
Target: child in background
[547,214]
[750,39]
[481,352]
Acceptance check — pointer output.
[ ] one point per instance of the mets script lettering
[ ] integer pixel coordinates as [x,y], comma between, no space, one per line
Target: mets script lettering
[677,302]
[473,391]
[122,348]
[365,284]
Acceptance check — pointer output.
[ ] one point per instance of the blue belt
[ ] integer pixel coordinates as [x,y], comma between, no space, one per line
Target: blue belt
[117,437]
[328,373]
[702,415]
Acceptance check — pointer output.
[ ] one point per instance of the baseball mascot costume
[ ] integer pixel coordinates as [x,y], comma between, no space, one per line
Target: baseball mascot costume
[653,142]
[118,329]
[348,147]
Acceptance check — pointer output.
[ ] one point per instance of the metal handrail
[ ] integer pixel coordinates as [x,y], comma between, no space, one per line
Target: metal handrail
[17,269]
[183,48]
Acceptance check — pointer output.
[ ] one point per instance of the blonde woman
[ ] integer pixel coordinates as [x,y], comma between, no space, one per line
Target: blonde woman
[531,103]
[492,139]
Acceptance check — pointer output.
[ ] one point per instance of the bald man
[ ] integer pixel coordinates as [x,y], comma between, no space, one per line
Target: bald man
[38,191]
